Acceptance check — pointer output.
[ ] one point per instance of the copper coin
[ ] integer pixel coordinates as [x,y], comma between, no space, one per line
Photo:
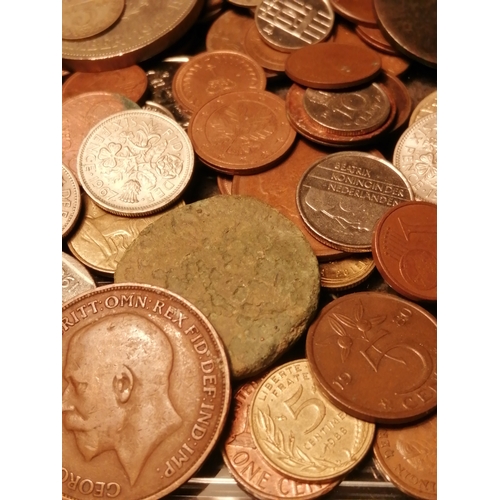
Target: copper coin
[71,201]
[407,456]
[375,355]
[211,74]
[356,11]
[265,55]
[228,31]
[345,273]
[248,466]
[397,89]
[75,278]
[130,82]
[376,39]
[404,249]
[145,392]
[411,27]
[332,66]
[242,132]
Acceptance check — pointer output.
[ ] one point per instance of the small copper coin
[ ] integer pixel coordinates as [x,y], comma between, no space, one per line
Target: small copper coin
[332,66]
[425,107]
[228,31]
[75,278]
[71,201]
[242,132]
[407,456]
[130,82]
[345,273]
[265,55]
[375,355]
[404,249]
[145,392]
[376,39]
[356,11]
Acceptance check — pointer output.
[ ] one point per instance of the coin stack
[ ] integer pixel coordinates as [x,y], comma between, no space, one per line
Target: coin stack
[249,249]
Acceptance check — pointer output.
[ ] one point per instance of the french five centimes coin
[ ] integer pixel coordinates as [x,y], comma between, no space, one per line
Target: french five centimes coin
[211,74]
[86,19]
[71,201]
[75,278]
[145,29]
[135,163]
[425,107]
[300,432]
[288,25]
[356,11]
[415,156]
[404,249]
[342,196]
[345,273]
[348,112]
[228,31]
[242,132]
[246,266]
[330,66]
[145,392]
[407,456]
[375,355]
[245,462]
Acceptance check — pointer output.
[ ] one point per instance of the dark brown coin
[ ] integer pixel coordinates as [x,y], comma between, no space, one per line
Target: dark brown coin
[376,39]
[145,392]
[404,249]
[356,11]
[375,355]
[407,456]
[332,66]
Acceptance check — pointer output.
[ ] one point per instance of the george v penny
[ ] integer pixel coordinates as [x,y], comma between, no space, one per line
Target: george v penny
[71,201]
[75,278]
[375,356]
[146,392]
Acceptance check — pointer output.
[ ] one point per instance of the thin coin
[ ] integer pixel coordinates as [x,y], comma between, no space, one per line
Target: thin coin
[75,278]
[290,25]
[407,456]
[250,469]
[345,273]
[135,163]
[415,156]
[265,55]
[225,184]
[376,39]
[145,392]
[375,355]
[356,11]
[397,89]
[425,107]
[71,201]
[242,132]
[332,66]
[300,432]
[228,31]
[242,263]
[342,196]
[404,249]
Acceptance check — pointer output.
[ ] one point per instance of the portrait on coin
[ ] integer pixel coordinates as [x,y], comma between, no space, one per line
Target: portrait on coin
[116,390]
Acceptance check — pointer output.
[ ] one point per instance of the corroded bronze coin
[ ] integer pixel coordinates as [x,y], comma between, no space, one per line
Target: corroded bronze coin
[265,55]
[375,355]
[342,196]
[145,392]
[356,11]
[300,432]
[407,456]
[345,273]
[243,264]
[75,278]
[405,249]
[425,107]
[71,201]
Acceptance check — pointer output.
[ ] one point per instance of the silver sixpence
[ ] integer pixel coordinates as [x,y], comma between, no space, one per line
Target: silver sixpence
[75,278]
[71,201]
[135,163]
[342,196]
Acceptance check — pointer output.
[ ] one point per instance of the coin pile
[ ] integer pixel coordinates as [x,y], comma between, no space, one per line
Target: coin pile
[249,231]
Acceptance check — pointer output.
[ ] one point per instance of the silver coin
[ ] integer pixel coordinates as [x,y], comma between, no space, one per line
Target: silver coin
[75,278]
[71,200]
[158,108]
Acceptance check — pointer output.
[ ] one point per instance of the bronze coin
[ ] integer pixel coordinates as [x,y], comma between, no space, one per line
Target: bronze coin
[332,66]
[145,392]
[404,248]
[356,11]
[375,355]
[71,201]
[228,31]
[376,39]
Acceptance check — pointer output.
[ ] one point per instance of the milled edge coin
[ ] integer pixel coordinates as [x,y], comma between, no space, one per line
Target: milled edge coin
[71,201]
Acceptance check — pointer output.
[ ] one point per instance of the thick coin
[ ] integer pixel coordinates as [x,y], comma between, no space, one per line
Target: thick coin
[404,249]
[243,264]
[407,456]
[345,273]
[425,107]
[342,196]
[145,392]
[135,163]
[375,355]
[300,432]
[71,201]
[356,11]
[75,278]
[265,55]
[228,31]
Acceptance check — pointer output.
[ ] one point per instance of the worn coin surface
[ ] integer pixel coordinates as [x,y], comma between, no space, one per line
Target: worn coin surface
[425,107]
[300,432]
[243,264]
[375,355]
[71,201]
[345,273]
[342,196]
[135,163]
[75,278]
[145,392]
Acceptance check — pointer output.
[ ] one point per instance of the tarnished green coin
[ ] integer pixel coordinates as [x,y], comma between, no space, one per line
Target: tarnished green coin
[243,264]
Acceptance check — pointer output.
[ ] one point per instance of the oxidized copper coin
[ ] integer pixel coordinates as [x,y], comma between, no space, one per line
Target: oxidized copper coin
[405,249]
[375,355]
[356,11]
[228,32]
[342,196]
[75,278]
[242,132]
[407,456]
[71,201]
[345,273]
[250,469]
[332,66]
[265,55]
[211,74]
[145,392]
[397,89]
[375,38]
[130,82]
[135,163]
[243,264]
[425,107]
